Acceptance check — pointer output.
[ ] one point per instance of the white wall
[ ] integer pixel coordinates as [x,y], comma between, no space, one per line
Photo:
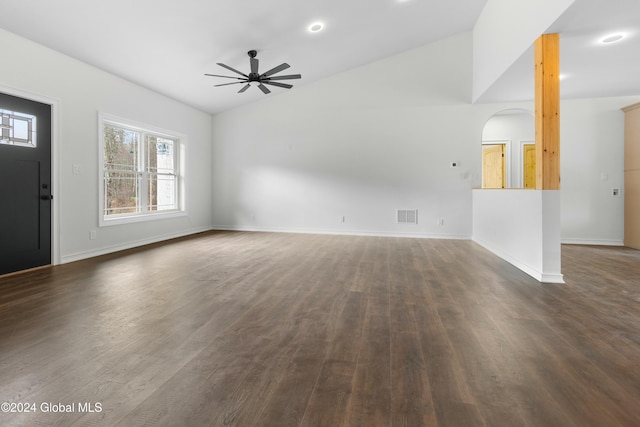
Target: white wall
[592,164]
[522,227]
[517,224]
[81,91]
[499,42]
[360,144]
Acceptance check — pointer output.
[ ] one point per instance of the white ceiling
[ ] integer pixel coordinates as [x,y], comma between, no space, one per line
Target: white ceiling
[590,68]
[168,45]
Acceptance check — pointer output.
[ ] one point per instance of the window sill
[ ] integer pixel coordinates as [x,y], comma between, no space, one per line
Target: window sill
[130,219]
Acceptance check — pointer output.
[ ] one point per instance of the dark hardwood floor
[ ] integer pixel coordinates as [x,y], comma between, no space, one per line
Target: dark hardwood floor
[260,329]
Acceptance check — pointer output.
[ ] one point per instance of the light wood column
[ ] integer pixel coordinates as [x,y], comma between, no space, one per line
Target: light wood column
[547,102]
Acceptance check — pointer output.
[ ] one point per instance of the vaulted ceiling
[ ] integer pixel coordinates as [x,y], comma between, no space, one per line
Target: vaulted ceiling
[589,68]
[168,45]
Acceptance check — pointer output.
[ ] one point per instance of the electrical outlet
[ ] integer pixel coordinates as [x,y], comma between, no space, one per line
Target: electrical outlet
[92,235]
[615,191]
[441,222]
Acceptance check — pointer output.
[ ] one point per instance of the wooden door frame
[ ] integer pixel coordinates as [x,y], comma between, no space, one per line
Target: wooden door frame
[507,158]
[521,145]
[55,162]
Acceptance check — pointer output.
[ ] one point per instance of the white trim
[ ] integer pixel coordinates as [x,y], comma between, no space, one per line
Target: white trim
[136,125]
[592,242]
[531,271]
[130,245]
[55,162]
[552,278]
[130,219]
[180,163]
[328,231]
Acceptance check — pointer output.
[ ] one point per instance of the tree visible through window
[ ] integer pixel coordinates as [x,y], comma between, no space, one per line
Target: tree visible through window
[140,171]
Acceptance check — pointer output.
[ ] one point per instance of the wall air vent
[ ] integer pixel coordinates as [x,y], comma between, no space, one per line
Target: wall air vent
[404,216]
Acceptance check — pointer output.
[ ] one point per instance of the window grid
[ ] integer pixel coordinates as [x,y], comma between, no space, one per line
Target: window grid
[17,128]
[140,172]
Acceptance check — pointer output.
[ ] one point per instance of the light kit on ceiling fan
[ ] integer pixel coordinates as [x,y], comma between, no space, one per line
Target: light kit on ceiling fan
[255,78]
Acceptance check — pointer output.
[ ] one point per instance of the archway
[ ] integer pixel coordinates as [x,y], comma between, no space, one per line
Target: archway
[508,150]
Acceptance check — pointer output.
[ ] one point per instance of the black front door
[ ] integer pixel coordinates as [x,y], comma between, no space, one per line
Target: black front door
[25,184]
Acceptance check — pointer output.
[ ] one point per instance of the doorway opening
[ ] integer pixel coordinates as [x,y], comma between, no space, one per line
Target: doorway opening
[508,150]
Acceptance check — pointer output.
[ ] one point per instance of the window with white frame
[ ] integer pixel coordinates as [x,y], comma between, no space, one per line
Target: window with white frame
[140,177]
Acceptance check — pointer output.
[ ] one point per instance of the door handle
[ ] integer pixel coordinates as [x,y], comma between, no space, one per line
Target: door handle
[49,197]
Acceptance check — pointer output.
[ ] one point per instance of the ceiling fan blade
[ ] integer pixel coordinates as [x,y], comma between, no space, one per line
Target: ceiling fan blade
[226,77]
[277,69]
[244,88]
[232,69]
[284,85]
[227,84]
[264,89]
[287,77]
[254,65]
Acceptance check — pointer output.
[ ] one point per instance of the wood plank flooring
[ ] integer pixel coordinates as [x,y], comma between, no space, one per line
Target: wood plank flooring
[264,329]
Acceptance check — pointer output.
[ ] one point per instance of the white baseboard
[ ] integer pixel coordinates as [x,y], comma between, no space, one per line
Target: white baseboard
[595,242]
[540,276]
[552,278]
[129,245]
[342,232]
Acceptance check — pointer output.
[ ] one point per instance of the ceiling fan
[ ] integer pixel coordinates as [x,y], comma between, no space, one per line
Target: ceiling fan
[254,77]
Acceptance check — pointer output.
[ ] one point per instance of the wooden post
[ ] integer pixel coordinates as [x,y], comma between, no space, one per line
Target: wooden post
[547,102]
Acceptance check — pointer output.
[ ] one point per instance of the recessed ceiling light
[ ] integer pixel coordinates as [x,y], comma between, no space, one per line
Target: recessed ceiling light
[316,27]
[612,38]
